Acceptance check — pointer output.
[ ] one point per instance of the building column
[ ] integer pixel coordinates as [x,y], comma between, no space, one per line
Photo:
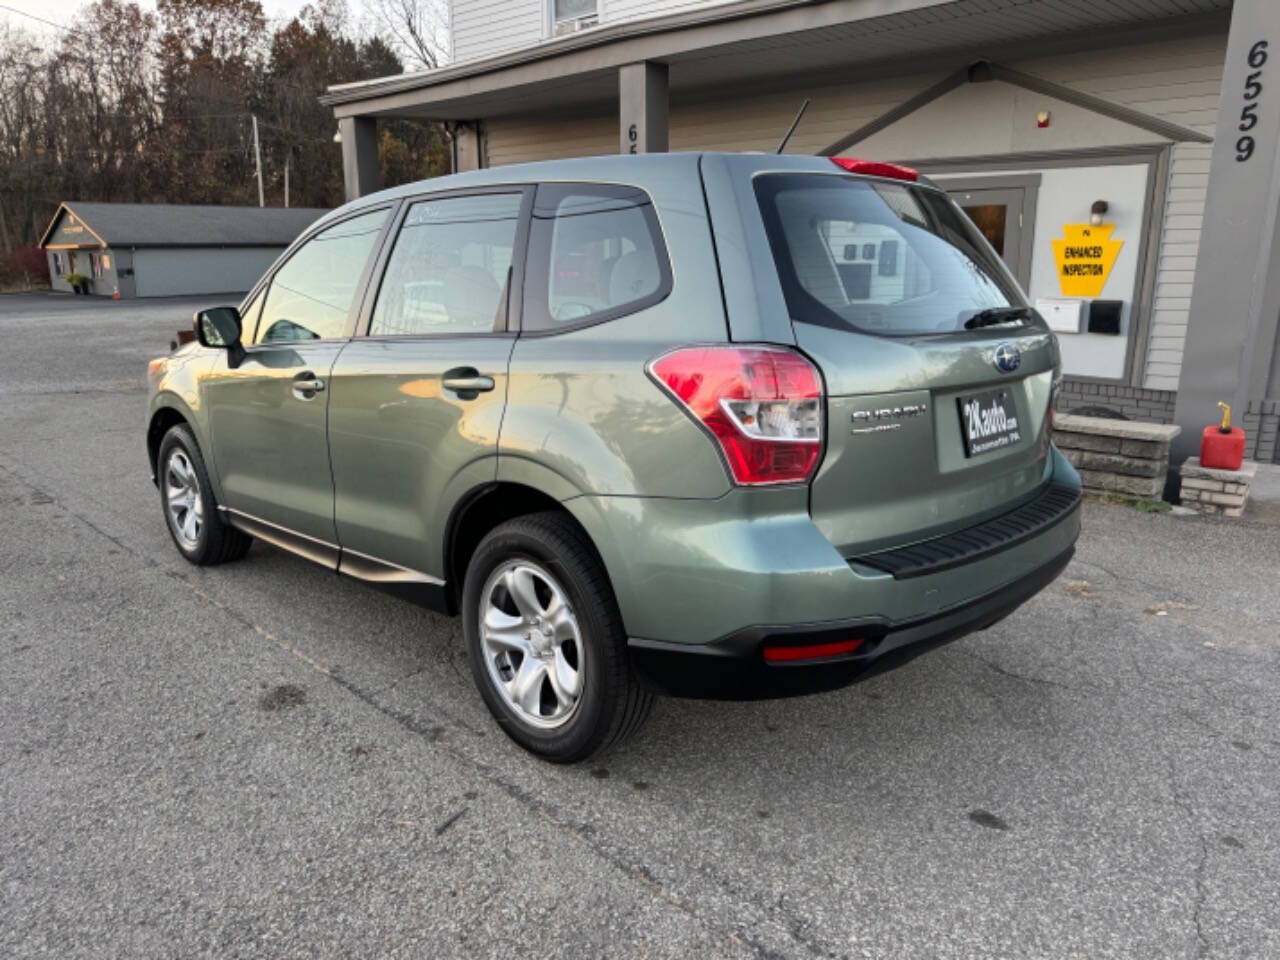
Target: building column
[1230,350]
[468,147]
[359,155]
[642,107]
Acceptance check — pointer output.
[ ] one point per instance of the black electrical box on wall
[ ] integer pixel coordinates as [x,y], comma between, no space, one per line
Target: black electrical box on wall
[1104,316]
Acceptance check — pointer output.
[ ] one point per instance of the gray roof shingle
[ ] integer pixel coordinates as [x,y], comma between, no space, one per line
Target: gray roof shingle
[175,225]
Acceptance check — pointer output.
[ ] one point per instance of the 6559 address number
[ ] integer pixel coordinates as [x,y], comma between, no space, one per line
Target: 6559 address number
[1257,59]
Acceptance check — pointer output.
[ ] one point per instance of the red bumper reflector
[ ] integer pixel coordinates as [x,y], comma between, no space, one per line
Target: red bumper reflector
[812,651]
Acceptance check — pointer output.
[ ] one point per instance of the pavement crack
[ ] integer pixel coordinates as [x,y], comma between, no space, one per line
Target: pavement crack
[1199,890]
[1202,941]
[1013,675]
[1127,578]
[403,678]
[446,824]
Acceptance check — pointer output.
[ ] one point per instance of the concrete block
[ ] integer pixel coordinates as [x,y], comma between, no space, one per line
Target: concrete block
[1125,429]
[1195,483]
[1114,463]
[1225,499]
[1233,511]
[1192,468]
[1085,441]
[1099,481]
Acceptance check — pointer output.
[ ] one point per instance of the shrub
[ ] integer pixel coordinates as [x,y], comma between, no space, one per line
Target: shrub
[32,262]
[24,265]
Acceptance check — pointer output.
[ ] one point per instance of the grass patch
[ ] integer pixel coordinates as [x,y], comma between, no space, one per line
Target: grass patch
[1142,506]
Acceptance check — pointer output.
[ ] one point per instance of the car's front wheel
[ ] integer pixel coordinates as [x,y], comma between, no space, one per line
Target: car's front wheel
[546,642]
[190,510]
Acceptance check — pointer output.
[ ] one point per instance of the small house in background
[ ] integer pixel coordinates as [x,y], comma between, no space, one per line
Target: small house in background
[164,250]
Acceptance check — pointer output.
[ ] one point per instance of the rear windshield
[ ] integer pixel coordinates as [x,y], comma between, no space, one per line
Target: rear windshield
[878,257]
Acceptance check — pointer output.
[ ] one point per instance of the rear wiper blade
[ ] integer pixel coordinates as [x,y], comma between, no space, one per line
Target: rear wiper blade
[993,315]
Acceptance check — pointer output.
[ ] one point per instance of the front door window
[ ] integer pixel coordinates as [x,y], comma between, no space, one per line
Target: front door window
[311,295]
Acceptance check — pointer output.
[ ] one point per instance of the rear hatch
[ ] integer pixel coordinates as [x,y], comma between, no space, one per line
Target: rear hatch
[937,375]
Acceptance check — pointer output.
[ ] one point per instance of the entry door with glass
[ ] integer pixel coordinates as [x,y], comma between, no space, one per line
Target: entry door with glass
[1004,214]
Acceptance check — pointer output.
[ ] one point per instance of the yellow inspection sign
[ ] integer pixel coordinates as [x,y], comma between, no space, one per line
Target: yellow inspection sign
[1085,257]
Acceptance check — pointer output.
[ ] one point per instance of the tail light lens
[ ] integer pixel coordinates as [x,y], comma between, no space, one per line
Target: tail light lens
[763,405]
[877,168]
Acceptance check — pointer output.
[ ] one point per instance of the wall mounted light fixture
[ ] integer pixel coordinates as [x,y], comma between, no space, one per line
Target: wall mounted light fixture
[1096,212]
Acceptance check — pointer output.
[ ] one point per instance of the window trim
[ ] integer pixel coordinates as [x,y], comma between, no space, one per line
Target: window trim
[665,274]
[785,266]
[264,283]
[550,21]
[513,294]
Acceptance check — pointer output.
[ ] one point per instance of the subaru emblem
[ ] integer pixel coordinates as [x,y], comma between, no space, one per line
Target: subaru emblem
[1007,358]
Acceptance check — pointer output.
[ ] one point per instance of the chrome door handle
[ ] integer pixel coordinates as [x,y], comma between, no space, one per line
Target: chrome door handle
[473,384]
[307,389]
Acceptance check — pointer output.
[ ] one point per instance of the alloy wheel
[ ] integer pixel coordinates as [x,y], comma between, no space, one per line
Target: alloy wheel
[182,499]
[532,643]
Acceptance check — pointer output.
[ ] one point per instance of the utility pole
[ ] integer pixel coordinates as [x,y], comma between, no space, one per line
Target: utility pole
[257,159]
[286,177]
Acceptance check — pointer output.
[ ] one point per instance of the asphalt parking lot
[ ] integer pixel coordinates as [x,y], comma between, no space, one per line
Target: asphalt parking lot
[265,760]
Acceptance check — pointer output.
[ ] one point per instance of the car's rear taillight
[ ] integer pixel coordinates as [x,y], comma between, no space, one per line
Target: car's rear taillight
[763,405]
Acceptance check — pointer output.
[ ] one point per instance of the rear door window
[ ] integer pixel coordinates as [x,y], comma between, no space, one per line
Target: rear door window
[878,257]
[595,253]
[450,269]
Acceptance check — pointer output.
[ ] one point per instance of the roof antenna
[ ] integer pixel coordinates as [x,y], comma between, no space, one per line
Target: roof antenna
[794,123]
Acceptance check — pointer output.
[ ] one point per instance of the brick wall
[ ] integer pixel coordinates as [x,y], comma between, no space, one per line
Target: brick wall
[1135,403]
[1261,424]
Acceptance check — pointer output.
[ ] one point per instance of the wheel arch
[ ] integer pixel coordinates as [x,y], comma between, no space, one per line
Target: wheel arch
[481,510]
[165,415]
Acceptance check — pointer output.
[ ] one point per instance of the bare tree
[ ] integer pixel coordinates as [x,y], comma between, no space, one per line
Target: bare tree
[130,105]
[418,29]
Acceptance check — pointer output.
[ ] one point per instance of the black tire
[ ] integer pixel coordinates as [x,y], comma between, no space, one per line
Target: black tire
[216,541]
[612,704]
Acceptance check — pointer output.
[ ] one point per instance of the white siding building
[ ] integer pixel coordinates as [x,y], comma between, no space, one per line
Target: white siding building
[1030,112]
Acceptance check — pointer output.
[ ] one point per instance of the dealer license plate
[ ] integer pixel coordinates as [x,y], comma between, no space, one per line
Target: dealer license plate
[989,421]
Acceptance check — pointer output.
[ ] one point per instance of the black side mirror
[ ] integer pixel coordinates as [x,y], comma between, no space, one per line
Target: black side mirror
[219,327]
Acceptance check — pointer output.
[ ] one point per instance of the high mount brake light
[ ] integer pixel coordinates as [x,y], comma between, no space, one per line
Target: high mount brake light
[763,405]
[875,168]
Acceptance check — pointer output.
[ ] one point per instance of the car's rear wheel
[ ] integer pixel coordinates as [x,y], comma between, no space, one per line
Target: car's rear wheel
[546,643]
[190,511]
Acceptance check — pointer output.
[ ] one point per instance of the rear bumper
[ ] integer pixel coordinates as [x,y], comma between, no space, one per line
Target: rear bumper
[734,668]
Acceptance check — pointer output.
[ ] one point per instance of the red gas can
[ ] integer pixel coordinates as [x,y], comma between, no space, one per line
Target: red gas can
[1222,447]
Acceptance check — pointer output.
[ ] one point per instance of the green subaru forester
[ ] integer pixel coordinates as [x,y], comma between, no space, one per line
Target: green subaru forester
[709,425]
